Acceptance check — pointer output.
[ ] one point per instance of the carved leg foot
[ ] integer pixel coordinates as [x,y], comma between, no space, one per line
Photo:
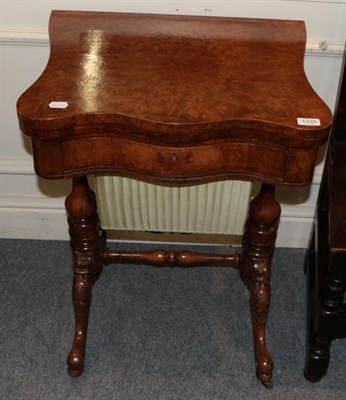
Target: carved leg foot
[317,359]
[81,293]
[258,246]
[87,265]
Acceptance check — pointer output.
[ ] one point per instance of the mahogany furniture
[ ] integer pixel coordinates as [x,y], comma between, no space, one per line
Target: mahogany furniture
[326,258]
[174,100]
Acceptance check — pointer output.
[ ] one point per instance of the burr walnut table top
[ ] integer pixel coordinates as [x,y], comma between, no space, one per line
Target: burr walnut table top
[175,99]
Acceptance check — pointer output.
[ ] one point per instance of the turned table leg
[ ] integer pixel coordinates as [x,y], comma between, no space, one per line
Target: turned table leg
[85,242]
[258,246]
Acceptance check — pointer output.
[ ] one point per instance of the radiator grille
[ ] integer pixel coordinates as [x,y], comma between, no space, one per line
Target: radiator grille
[217,207]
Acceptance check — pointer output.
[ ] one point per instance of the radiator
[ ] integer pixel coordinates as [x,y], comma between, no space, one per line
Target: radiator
[215,208]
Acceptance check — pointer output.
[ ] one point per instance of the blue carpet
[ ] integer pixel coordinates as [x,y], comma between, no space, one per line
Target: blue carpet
[158,334]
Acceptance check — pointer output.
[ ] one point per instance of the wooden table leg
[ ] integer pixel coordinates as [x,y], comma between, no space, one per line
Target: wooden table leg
[258,246]
[87,265]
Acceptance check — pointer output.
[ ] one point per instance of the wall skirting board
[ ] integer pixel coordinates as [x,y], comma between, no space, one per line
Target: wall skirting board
[19,37]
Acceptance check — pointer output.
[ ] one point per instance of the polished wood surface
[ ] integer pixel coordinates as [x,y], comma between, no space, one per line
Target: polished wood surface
[199,98]
[174,100]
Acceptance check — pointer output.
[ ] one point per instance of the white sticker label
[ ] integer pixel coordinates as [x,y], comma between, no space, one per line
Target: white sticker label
[309,121]
[58,104]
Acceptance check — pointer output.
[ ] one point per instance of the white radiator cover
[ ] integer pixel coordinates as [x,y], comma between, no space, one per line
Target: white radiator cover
[215,208]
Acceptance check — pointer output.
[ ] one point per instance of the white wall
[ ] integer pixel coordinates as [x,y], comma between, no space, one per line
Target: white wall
[33,208]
